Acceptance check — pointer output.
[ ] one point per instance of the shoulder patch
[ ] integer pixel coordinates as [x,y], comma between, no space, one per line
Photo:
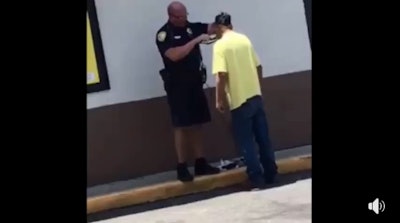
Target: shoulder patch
[161,36]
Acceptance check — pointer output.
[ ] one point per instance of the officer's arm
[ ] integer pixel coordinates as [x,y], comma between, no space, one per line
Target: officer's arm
[177,53]
[204,28]
[211,28]
[166,47]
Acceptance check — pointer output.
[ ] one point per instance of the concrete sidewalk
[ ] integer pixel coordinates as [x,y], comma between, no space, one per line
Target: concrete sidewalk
[171,175]
[165,186]
[288,203]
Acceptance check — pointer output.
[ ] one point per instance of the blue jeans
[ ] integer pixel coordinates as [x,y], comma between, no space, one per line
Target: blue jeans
[249,123]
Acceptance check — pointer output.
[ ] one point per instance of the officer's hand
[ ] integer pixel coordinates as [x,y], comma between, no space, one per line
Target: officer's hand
[203,37]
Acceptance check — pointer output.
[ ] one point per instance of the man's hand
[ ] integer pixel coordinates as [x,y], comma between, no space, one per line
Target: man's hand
[221,106]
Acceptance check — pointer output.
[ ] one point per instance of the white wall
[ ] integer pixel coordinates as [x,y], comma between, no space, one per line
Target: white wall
[277,28]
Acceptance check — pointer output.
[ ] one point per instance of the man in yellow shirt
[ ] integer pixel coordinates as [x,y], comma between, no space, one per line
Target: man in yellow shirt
[238,73]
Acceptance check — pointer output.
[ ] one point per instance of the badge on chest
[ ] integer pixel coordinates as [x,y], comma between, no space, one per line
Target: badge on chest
[189,32]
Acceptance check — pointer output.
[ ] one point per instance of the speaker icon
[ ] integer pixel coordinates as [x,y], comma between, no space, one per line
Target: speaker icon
[377,206]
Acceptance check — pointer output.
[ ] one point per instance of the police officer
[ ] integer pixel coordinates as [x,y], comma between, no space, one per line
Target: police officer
[184,75]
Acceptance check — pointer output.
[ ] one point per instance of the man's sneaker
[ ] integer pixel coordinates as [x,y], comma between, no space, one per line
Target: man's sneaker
[201,167]
[253,186]
[183,173]
[270,178]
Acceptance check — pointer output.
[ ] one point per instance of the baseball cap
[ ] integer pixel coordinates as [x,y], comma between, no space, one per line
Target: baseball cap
[223,19]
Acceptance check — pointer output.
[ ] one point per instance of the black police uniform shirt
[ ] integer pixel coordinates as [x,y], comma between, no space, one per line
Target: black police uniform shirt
[179,36]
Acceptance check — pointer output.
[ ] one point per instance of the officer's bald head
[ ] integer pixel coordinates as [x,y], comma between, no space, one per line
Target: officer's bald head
[177,13]
[176,6]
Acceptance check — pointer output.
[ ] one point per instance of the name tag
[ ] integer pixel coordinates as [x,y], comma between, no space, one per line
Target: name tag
[177,37]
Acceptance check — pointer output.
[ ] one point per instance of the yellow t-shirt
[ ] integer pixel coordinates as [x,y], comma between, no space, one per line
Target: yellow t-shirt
[235,55]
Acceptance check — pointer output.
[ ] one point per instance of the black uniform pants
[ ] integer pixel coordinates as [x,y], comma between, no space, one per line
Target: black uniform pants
[188,103]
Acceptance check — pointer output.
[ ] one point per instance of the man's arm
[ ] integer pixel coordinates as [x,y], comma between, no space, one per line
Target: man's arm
[220,95]
[220,70]
[257,64]
[260,73]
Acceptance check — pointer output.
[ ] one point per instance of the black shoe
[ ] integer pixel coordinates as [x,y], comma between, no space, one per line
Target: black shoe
[183,173]
[201,167]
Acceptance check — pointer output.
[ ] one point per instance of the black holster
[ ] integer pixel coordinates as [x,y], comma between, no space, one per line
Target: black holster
[203,75]
[165,75]
[169,79]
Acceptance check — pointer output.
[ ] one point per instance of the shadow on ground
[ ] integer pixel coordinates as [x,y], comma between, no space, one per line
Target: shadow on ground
[281,181]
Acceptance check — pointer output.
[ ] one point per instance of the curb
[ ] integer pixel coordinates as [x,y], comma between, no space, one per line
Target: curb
[175,188]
